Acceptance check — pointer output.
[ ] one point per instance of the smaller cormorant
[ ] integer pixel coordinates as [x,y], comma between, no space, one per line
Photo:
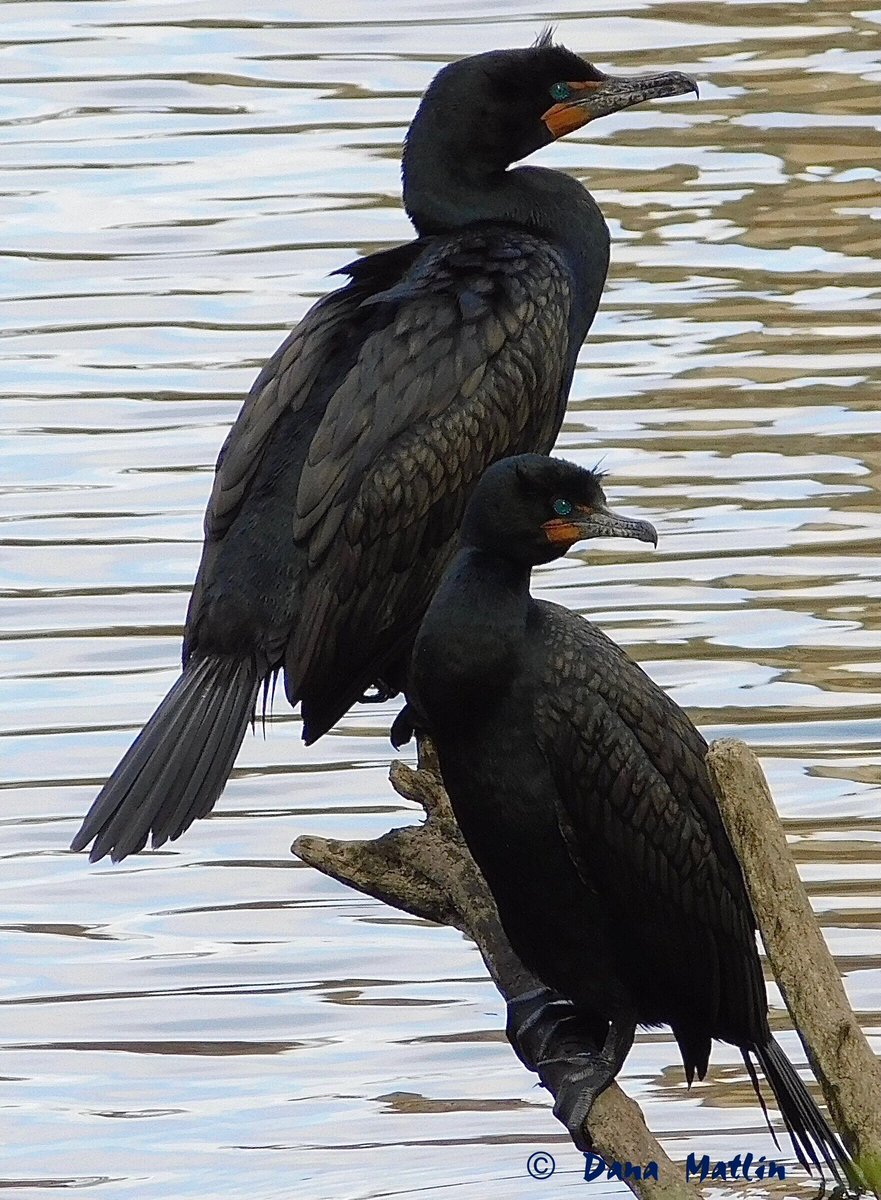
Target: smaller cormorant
[583,793]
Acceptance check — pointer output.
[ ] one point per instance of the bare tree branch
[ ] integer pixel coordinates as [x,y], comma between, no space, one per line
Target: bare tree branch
[841,1058]
[427,870]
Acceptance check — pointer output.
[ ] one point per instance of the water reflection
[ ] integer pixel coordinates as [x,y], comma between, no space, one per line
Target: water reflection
[175,189]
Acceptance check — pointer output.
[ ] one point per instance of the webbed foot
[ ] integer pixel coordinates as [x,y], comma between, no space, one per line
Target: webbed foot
[578,1076]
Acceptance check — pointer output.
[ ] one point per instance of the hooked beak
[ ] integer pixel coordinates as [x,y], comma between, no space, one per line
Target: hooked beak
[598,98]
[597,522]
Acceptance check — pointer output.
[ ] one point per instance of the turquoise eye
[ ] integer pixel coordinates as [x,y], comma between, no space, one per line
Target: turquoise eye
[561,91]
[562,507]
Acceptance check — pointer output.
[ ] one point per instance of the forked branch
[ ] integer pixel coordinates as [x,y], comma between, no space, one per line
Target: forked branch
[427,870]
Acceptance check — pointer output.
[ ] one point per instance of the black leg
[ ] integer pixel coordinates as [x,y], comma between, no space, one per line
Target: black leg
[535,1021]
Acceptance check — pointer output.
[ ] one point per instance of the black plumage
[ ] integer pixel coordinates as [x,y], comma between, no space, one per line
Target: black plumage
[340,487]
[582,791]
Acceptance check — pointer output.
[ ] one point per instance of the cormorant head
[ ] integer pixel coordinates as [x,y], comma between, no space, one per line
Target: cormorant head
[532,508]
[483,113]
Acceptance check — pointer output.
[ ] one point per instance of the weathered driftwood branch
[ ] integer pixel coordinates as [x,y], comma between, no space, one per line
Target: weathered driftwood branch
[427,870]
[841,1058]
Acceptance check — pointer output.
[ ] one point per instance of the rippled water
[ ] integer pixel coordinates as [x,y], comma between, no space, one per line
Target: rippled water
[176,184]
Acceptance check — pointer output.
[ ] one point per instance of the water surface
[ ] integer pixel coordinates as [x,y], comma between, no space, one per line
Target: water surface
[177,183]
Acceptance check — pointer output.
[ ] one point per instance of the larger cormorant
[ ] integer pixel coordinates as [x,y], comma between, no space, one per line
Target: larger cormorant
[341,485]
[583,794]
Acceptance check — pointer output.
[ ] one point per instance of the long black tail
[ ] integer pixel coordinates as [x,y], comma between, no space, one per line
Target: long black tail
[813,1139]
[179,763]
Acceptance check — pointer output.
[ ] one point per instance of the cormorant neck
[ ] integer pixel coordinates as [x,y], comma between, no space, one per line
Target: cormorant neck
[486,595]
[496,575]
[468,647]
[444,195]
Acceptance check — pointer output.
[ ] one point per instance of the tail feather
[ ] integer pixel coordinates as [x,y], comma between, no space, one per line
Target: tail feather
[161,762]
[217,754]
[176,768]
[813,1139]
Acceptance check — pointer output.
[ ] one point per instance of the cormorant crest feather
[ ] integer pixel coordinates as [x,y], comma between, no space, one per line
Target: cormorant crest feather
[545,38]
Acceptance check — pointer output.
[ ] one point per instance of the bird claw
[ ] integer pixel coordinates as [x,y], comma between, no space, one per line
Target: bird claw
[582,1080]
[549,1035]
[403,728]
[576,1081]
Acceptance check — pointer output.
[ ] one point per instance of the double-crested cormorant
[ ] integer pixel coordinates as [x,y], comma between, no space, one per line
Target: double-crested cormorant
[341,485]
[582,791]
